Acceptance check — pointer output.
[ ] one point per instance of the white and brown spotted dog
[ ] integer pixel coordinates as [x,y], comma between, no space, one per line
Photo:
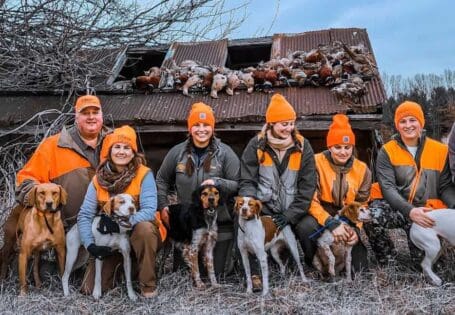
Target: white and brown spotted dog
[119,208]
[193,228]
[40,227]
[331,257]
[256,235]
[428,239]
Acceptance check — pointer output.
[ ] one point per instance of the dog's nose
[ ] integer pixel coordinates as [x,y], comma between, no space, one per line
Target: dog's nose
[131,209]
[49,205]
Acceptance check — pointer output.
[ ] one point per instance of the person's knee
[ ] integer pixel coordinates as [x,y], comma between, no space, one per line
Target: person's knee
[306,227]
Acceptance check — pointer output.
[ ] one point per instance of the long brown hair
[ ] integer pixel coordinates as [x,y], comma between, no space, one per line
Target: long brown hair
[190,167]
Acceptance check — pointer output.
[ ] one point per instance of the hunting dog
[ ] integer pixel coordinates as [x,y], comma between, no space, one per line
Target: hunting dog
[40,227]
[119,208]
[332,257]
[256,235]
[193,228]
[427,239]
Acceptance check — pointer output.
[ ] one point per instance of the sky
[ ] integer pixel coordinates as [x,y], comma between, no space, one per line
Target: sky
[408,37]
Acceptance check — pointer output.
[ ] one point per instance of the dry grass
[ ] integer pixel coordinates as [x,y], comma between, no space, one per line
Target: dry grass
[393,289]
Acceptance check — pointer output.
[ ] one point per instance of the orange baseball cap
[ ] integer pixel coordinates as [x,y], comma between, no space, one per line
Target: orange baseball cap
[87,101]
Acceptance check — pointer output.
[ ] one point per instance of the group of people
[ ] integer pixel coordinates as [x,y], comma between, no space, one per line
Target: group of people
[278,167]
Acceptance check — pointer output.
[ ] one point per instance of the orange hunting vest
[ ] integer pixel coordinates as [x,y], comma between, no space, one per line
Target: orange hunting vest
[134,189]
[425,175]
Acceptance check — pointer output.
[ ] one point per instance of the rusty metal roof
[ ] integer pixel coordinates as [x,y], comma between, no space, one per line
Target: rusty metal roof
[212,53]
[169,108]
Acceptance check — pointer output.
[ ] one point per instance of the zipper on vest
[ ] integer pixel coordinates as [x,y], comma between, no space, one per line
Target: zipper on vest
[340,189]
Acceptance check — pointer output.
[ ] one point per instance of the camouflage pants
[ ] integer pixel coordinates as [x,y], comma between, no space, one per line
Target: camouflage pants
[385,218]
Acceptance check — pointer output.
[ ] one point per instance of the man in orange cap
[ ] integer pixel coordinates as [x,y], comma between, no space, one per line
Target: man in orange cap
[68,158]
[414,176]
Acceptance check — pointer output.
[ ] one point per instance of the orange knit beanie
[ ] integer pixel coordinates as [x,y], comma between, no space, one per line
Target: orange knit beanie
[124,134]
[408,108]
[340,131]
[279,109]
[201,113]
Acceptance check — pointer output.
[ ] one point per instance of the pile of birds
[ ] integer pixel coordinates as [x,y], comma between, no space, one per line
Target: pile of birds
[343,69]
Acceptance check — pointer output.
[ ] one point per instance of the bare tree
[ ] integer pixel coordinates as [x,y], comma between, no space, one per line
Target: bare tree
[54,43]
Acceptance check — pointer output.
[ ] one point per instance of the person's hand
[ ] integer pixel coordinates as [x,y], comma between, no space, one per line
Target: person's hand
[417,215]
[99,252]
[353,238]
[340,234]
[164,214]
[280,220]
[107,225]
[208,182]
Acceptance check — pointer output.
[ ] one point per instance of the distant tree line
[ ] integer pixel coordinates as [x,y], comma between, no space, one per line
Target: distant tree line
[435,93]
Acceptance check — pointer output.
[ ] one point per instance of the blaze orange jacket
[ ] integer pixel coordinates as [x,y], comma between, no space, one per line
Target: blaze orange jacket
[338,186]
[60,160]
[134,189]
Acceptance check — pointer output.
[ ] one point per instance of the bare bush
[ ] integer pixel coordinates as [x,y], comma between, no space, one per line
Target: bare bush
[55,44]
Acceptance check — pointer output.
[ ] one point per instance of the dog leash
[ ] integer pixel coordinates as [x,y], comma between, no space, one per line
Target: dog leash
[319,231]
[42,214]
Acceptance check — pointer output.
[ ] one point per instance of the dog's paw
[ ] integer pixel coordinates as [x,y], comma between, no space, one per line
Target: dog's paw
[200,285]
[215,285]
[132,296]
[96,295]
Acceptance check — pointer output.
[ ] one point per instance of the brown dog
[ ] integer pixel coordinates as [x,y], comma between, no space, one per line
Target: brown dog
[41,228]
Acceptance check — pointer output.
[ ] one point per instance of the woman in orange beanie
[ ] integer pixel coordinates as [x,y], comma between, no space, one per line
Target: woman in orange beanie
[122,170]
[342,179]
[202,159]
[414,176]
[277,167]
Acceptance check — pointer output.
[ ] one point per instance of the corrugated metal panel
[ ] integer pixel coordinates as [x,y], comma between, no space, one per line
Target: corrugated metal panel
[207,53]
[166,108]
[173,107]
[283,44]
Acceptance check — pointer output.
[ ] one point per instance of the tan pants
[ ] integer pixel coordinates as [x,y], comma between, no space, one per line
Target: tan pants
[145,242]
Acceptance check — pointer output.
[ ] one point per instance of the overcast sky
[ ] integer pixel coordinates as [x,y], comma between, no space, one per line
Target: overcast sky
[408,36]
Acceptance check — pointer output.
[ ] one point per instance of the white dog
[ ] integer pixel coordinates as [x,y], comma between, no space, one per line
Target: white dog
[427,239]
[256,235]
[119,207]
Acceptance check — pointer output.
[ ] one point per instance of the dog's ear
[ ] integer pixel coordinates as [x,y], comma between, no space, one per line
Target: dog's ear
[108,206]
[63,195]
[258,206]
[351,211]
[237,199]
[30,200]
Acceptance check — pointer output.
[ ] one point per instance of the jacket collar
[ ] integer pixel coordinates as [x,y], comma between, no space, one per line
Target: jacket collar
[341,168]
[66,140]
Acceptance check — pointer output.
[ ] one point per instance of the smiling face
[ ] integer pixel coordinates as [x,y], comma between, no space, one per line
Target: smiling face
[341,153]
[201,134]
[283,129]
[410,130]
[89,122]
[121,154]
